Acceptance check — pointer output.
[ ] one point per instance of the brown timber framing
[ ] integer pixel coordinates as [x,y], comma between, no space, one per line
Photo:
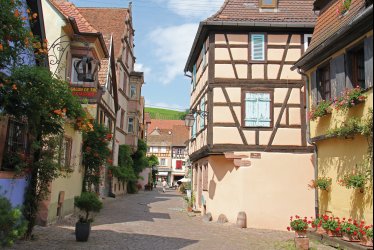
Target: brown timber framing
[237,122]
[284,56]
[211,75]
[303,116]
[231,57]
[275,129]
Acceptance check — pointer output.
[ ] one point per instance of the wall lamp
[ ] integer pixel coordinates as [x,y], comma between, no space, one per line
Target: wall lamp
[189,119]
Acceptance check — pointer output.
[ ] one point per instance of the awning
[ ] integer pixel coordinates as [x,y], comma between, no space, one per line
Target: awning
[185,180]
[163,173]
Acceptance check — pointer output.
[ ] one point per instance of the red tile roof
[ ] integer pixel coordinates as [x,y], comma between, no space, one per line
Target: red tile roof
[104,63]
[288,11]
[330,22]
[162,138]
[68,9]
[109,21]
[180,135]
[163,124]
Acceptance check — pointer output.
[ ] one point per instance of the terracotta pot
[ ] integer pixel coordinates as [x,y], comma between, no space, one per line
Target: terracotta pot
[189,209]
[367,242]
[320,230]
[300,234]
[350,237]
[332,233]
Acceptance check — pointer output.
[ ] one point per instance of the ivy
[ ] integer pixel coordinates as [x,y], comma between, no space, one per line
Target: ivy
[124,172]
[96,154]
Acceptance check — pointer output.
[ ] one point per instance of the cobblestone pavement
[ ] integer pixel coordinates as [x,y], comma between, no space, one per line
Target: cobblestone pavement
[156,220]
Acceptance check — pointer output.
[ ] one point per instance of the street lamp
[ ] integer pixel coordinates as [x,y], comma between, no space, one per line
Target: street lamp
[189,119]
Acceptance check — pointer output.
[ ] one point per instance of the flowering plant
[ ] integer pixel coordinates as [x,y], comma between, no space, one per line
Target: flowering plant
[331,223]
[350,98]
[353,181]
[298,224]
[369,231]
[322,183]
[323,108]
[343,7]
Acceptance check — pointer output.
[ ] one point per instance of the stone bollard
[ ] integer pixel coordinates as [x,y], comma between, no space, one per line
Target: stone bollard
[208,217]
[302,243]
[241,221]
[222,219]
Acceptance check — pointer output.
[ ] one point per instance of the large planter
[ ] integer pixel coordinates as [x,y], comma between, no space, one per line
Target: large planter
[367,242]
[332,233]
[350,237]
[300,234]
[82,231]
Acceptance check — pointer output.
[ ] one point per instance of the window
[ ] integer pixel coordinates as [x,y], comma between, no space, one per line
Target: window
[74,74]
[122,118]
[132,91]
[324,82]
[162,162]
[268,3]
[202,117]
[307,40]
[154,149]
[163,150]
[258,47]
[65,152]
[257,110]
[16,144]
[357,66]
[130,125]
[194,80]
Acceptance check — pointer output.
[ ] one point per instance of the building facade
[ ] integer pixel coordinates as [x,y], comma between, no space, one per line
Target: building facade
[339,61]
[129,117]
[248,147]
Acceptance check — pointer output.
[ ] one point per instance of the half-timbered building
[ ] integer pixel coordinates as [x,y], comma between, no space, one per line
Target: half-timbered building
[248,144]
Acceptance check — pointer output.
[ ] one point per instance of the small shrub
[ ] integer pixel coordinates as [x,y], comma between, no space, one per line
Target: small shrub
[88,202]
[12,224]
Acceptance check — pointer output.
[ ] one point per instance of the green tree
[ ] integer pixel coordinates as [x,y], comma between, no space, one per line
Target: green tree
[139,157]
[153,161]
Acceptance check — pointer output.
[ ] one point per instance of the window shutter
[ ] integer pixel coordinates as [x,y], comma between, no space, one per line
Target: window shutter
[258,47]
[194,126]
[194,76]
[313,86]
[257,110]
[368,48]
[337,76]
[202,117]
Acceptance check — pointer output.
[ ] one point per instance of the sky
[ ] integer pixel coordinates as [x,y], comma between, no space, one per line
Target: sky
[164,33]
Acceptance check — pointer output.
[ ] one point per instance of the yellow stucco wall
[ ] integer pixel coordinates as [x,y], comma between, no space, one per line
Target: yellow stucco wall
[72,183]
[340,156]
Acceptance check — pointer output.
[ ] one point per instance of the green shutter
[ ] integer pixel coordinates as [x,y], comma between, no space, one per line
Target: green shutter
[258,47]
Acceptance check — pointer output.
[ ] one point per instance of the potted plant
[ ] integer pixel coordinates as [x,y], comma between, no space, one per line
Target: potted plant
[332,226]
[299,226]
[88,202]
[323,183]
[367,236]
[317,224]
[356,181]
[323,108]
[350,231]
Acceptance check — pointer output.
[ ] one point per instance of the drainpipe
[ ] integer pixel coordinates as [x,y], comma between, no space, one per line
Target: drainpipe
[315,153]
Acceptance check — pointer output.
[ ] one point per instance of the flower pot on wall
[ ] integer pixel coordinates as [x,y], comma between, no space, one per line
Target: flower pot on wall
[332,233]
[367,242]
[300,234]
[82,231]
[320,230]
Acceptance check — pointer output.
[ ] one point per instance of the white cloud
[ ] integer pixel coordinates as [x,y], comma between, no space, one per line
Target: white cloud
[193,8]
[172,47]
[139,67]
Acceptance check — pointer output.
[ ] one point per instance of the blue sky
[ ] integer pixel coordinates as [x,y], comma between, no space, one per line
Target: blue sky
[164,32]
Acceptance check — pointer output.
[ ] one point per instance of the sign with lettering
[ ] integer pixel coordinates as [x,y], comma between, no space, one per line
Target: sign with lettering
[255,155]
[87,92]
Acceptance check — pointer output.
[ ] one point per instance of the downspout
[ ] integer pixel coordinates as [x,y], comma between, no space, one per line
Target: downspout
[315,153]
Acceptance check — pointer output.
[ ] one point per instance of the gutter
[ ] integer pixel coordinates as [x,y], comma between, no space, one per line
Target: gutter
[98,35]
[205,26]
[315,153]
[361,24]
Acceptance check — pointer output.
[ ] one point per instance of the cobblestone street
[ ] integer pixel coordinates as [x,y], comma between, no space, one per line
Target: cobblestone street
[156,220]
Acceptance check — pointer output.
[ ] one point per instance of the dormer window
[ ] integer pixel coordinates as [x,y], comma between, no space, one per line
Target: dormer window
[271,4]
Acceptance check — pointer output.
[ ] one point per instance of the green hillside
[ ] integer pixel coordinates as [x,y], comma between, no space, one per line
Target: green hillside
[165,114]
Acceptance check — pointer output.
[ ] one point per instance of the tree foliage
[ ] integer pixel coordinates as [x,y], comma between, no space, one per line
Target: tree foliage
[139,158]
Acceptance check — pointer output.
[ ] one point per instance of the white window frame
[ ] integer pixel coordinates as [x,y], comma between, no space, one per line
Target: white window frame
[253,48]
[246,116]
